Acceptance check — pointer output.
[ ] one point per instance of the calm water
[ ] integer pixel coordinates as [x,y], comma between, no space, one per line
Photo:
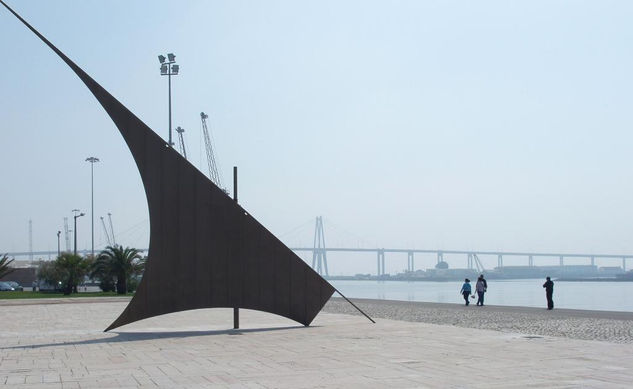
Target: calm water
[602,296]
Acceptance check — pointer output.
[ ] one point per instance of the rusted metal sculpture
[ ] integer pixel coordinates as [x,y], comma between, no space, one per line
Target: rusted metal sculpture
[205,250]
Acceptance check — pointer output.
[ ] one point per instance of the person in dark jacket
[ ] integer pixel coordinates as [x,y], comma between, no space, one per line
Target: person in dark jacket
[549,292]
[465,291]
[481,288]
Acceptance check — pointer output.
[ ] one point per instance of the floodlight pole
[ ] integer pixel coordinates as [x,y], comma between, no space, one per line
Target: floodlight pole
[58,247]
[166,70]
[75,217]
[236,311]
[92,161]
[169,93]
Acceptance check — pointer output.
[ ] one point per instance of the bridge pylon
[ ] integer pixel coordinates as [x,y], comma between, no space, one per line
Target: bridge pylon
[319,254]
[410,263]
[380,262]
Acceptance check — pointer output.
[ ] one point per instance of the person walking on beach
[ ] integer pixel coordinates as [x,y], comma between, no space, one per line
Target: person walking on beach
[481,288]
[549,292]
[466,290]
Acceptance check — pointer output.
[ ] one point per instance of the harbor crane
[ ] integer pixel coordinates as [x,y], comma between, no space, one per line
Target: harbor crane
[106,232]
[181,141]
[214,175]
[109,235]
[67,234]
[112,229]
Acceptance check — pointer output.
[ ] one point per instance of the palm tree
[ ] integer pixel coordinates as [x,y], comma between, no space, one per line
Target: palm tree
[72,269]
[4,265]
[120,263]
[100,270]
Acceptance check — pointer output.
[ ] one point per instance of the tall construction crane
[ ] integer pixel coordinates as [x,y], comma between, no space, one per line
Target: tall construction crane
[181,141]
[106,232]
[110,219]
[109,235]
[214,175]
[66,234]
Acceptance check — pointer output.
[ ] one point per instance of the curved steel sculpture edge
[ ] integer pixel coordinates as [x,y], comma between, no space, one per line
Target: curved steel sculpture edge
[205,250]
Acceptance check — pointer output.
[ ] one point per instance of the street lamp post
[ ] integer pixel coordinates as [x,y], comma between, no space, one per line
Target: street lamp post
[58,248]
[77,214]
[169,68]
[92,161]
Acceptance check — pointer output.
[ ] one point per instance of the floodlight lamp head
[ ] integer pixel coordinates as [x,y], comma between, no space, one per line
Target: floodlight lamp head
[174,69]
[163,69]
[180,129]
[171,57]
[203,115]
[82,214]
[161,58]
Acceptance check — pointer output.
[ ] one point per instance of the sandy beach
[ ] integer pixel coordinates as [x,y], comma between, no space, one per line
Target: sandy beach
[570,323]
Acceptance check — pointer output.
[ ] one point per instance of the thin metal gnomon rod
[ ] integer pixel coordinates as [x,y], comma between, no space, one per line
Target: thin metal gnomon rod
[354,305]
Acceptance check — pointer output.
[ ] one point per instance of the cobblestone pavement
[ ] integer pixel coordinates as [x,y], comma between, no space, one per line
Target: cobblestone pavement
[63,346]
[614,327]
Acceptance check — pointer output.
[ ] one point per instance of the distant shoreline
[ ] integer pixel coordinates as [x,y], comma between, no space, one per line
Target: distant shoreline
[596,279]
[441,279]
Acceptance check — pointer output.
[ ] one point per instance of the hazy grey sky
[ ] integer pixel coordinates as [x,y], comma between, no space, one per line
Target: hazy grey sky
[489,125]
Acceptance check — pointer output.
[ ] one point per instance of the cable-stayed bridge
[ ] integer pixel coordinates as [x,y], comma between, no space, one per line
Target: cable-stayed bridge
[472,257]
[473,260]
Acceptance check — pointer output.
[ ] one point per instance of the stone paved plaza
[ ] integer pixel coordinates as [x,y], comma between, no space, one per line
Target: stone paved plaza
[63,346]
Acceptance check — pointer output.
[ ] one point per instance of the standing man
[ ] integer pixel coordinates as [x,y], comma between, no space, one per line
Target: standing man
[549,291]
[481,288]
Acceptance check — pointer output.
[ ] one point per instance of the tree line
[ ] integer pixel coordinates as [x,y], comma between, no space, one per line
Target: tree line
[116,268]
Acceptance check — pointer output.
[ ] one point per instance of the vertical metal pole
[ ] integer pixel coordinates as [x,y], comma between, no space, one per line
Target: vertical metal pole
[31,240]
[92,204]
[624,263]
[561,261]
[378,263]
[593,261]
[169,94]
[75,251]
[236,311]
[58,246]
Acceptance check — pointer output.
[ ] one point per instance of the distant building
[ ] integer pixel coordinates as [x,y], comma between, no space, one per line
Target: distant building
[610,270]
[23,276]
